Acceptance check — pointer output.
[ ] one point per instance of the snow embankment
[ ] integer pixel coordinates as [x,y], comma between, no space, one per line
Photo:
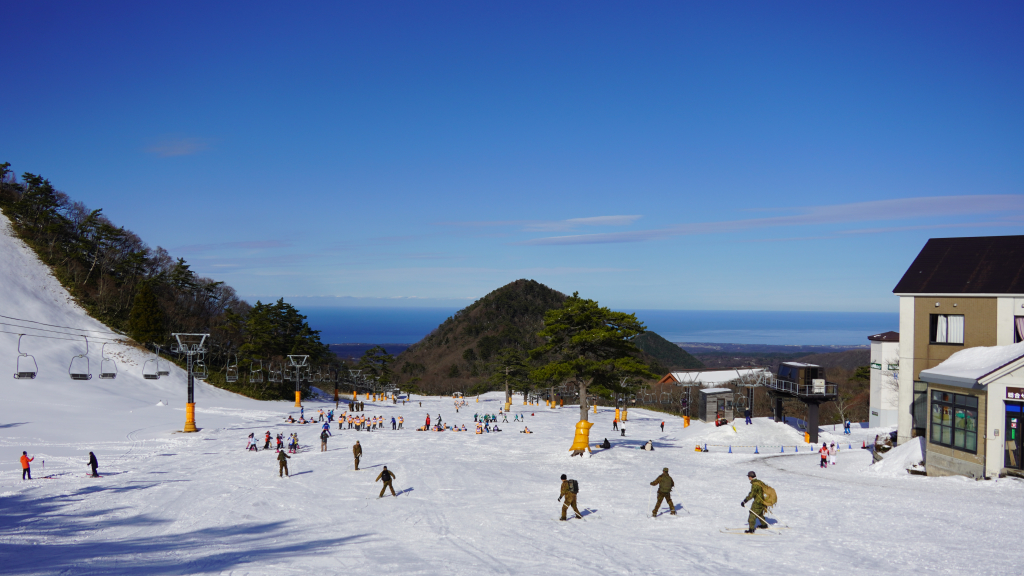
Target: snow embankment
[897,461]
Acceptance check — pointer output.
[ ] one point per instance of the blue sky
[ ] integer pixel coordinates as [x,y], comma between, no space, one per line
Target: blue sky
[752,156]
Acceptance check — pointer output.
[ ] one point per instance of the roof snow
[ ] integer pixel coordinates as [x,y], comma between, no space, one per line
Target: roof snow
[968,367]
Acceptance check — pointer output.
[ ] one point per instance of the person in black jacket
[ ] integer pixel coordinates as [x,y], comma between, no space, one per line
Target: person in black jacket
[387,476]
[94,464]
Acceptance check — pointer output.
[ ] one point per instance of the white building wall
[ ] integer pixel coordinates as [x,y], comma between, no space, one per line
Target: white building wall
[995,435]
[1004,321]
[904,418]
[884,407]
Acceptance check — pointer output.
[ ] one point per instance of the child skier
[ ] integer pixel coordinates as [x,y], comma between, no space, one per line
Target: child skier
[824,455]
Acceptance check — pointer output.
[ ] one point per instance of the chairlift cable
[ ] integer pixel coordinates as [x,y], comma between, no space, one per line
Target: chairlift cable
[56,338]
[54,331]
[57,326]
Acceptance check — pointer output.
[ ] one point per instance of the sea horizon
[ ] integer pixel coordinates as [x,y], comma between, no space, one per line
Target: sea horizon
[381,325]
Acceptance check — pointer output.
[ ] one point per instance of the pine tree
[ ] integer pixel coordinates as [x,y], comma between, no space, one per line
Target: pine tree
[146,320]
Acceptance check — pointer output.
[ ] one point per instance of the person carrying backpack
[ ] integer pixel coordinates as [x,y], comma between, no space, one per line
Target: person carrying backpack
[282,461]
[386,476]
[570,488]
[323,440]
[664,484]
[763,498]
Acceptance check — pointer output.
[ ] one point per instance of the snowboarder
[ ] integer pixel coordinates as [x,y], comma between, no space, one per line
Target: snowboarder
[94,465]
[387,476]
[282,464]
[323,440]
[664,484]
[606,445]
[757,506]
[824,455]
[25,470]
[357,453]
[569,490]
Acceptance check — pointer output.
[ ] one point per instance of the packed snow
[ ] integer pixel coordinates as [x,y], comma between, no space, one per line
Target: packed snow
[974,363]
[897,461]
[468,504]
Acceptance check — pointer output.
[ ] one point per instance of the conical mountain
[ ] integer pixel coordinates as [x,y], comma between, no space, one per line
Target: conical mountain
[459,354]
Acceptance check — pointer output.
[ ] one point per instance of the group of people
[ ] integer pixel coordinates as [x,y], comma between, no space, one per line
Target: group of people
[828,454]
[362,422]
[26,465]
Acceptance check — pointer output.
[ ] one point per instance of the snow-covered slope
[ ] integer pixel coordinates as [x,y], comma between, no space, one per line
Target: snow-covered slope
[101,410]
[172,503]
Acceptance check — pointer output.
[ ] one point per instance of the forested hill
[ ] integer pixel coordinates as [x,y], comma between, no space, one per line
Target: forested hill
[664,355]
[461,354]
[146,294]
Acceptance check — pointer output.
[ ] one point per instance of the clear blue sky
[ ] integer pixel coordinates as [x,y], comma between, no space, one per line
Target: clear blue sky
[701,155]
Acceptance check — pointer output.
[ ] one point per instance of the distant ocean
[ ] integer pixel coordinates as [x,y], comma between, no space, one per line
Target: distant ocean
[409,325]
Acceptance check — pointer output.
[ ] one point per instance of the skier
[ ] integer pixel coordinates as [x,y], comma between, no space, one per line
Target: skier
[615,423]
[387,476]
[401,420]
[94,465]
[569,490]
[327,428]
[504,418]
[757,506]
[25,470]
[846,427]
[323,440]
[282,464]
[280,442]
[832,453]
[662,425]
[428,422]
[824,455]
[357,453]
[266,445]
[302,413]
[746,415]
[664,484]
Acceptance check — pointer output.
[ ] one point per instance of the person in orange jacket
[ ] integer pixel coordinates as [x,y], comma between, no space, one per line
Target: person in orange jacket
[25,470]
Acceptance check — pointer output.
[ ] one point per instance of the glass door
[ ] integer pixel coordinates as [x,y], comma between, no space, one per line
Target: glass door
[1013,441]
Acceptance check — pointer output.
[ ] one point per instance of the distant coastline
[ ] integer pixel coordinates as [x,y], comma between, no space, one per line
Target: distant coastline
[401,327]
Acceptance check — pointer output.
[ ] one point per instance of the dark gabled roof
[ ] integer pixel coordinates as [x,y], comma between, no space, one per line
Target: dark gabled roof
[982,265]
[885,337]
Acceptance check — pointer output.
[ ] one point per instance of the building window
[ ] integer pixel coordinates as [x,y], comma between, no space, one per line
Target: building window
[947,329]
[919,409]
[955,421]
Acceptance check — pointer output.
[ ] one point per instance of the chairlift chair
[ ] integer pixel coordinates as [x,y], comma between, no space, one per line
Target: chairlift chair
[162,366]
[275,375]
[78,369]
[256,372]
[231,372]
[151,372]
[199,367]
[23,370]
[108,368]
[666,397]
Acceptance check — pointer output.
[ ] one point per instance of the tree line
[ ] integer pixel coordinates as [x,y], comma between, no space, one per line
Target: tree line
[147,294]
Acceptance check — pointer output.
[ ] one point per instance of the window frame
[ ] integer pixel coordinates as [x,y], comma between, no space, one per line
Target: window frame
[953,407]
[933,328]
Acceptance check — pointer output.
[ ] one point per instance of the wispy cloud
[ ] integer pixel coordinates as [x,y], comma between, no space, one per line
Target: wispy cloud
[244,245]
[879,210]
[552,225]
[169,147]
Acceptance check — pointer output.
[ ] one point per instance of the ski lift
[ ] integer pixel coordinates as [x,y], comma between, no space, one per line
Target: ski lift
[666,397]
[108,368]
[275,375]
[162,366]
[256,372]
[151,372]
[231,373]
[199,368]
[79,366]
[24,371]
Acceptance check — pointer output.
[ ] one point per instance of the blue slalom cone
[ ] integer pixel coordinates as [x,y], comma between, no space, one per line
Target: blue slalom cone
[783,448]
[796,448]
[755,450]
[850,447]
[730,449]
[705,447]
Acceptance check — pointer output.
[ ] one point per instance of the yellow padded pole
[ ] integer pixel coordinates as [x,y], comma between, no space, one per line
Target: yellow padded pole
[298,399]
[582,439]
[190,417]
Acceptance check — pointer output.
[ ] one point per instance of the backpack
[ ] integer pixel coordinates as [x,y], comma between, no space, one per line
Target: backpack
[386,476]
[574,486]
[770,497]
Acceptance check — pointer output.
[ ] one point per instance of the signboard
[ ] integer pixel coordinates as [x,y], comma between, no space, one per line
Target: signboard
[818,386]
[876,365]
[1014,393]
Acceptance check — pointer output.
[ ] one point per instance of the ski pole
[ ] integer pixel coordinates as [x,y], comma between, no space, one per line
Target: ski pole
[766,524]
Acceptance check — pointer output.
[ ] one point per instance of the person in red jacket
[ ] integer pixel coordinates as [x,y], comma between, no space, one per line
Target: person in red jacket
[824,455]
[428,422]
[25,470]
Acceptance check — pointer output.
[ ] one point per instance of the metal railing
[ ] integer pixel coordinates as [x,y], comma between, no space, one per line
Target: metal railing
[790,387]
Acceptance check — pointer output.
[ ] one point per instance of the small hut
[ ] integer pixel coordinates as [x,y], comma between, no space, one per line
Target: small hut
[715,401]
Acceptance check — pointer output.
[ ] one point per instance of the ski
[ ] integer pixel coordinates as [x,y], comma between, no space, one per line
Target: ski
[758,532]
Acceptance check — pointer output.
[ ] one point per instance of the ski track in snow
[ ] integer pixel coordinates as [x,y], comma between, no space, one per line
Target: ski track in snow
[174,503]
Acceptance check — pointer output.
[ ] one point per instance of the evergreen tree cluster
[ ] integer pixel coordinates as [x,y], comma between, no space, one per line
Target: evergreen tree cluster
[147,294]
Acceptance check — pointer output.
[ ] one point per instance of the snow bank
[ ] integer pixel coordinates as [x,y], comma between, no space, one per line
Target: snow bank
[897,461]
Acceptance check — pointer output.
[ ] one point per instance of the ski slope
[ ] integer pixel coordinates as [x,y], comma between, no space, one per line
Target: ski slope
[174,503]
